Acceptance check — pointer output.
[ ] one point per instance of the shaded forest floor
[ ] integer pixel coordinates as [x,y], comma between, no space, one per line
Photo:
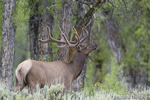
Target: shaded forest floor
[55,92]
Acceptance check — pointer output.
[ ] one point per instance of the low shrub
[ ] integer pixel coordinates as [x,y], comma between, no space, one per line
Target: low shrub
[55,92]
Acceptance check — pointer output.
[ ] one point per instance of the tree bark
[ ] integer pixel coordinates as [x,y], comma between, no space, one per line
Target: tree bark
[113,37]
[66,14]
[37,30]
[8,42]
[46,20]
[34,22]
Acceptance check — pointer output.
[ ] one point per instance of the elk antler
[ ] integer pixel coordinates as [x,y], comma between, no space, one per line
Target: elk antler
[72,43]
[64,40]
[50,38]
[84,36]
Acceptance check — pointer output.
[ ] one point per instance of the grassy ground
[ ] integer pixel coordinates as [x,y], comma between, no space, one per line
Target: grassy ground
[55,92]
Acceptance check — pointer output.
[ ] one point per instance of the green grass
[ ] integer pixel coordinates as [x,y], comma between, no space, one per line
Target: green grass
[55,92]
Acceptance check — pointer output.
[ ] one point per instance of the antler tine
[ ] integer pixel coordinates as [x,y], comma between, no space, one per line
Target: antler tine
[67,41]
[64,36]
[84,36]
[49,35]
[50,38]
[77,37]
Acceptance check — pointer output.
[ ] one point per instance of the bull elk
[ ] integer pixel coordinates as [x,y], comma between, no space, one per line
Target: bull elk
[31,72]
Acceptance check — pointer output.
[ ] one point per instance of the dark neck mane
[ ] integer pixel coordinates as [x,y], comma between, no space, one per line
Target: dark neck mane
[77,63]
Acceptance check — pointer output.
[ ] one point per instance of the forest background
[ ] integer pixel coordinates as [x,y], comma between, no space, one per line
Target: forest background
[119,27]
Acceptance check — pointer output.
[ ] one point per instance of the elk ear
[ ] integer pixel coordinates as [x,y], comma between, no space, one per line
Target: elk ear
[83,46]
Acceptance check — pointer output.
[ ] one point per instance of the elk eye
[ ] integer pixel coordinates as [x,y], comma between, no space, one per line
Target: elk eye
[78,48]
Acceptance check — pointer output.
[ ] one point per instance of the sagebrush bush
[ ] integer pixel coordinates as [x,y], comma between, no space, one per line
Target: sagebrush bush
[55,92]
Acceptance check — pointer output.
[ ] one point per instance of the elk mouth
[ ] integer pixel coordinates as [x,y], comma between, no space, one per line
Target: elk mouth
[94,46]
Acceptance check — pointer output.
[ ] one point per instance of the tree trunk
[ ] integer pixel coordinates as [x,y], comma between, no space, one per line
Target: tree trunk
[46,20]
[38,30]
[113,37]
[78,84]
[34,22]
[8,42]
[65,26]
